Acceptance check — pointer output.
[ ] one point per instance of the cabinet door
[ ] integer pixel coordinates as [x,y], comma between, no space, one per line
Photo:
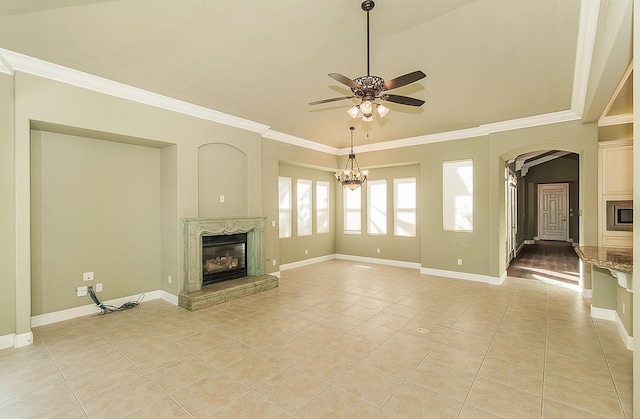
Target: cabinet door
[617,170]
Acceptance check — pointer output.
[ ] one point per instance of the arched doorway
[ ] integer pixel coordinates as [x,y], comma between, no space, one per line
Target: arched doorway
[542,196]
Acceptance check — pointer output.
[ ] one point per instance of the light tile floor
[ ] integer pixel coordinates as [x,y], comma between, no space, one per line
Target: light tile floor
[337,339]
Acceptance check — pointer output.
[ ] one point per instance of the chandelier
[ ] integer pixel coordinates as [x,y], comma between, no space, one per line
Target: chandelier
[351,177]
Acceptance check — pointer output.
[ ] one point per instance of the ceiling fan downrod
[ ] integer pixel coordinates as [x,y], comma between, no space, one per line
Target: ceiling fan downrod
[367,6]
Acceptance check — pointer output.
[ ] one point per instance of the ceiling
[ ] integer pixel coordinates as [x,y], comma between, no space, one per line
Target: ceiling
[486,61]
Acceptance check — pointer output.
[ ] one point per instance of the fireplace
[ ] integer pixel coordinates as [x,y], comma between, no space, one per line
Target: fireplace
[224,257]
[198,231]
[226,244]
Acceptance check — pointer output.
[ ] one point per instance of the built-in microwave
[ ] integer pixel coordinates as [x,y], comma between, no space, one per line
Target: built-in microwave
[620,215]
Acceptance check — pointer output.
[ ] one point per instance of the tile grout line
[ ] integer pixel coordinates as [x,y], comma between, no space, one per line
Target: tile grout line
[493,338]
[606,359]
[64,377]
[139,369]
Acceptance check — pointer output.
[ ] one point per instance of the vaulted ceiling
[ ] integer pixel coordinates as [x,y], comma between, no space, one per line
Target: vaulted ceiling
[487,61]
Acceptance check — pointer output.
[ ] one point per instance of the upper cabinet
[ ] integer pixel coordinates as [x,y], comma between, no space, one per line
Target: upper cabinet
[615,185]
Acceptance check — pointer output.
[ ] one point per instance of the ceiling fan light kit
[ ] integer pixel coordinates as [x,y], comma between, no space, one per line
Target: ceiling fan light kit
[371,88]
[351,177]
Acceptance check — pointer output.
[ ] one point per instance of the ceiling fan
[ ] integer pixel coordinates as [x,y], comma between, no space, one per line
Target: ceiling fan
[369,88]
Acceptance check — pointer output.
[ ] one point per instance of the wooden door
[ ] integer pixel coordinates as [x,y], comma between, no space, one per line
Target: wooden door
[553,203]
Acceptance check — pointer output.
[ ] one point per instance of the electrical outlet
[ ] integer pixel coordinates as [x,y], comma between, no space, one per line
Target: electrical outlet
[273,223]
[98,287]
[81,291]
[459,262]
[306,252]
[273,262]
[87,276]
[221,198]
[169,279]
[377,250]
[623,308]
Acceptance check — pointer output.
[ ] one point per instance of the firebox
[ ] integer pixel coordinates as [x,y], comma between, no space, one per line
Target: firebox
[224,257]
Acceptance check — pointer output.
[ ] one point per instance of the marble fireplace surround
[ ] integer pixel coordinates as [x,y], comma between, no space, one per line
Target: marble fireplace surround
[195,228]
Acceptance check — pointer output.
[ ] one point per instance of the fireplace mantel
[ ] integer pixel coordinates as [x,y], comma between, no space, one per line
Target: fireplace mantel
[195,228]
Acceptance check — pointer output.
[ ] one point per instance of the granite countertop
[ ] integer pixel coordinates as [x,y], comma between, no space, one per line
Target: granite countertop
[616,258]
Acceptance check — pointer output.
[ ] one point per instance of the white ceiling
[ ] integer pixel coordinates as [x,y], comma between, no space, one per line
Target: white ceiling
[486,61]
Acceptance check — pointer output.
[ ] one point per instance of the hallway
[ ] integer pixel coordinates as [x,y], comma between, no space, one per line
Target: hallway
[548,261]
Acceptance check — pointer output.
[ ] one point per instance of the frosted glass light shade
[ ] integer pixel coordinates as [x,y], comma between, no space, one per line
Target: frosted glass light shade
[382,110]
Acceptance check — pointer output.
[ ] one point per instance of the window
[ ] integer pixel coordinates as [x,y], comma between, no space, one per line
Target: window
[404,207]
[284,205]
[352,207]
[303,195]
[377,206]
[457,199]
[322,207]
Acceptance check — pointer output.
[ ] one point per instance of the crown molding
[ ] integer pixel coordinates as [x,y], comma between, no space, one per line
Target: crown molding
[530,121]
[12,61]
[589,11]
[616,92]
[5,67]
[77,78]
[480,131]
[301,142]
[607,121]
[420,140]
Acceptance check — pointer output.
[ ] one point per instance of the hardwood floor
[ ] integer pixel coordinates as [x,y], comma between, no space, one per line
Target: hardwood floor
[547,261]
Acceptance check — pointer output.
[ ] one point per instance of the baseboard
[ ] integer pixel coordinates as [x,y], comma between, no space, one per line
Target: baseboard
[23,339]
[530,242]
[570,240]
[305,262]
[536,238]
[603,313]
[520,247]
[168,297]
[400,264]
[612,315]
[388,262]
[628,340]
[586,293]
[86,310]
[465,276]
[6,341]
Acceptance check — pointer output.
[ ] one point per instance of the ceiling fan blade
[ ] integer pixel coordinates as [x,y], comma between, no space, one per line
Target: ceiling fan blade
[335,99]
[344,80]
[404,80]
[403,100]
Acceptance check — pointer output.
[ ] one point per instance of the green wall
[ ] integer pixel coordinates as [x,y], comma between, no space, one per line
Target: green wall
[404,249]
[95,207]
[54,107]
[292,249]
[624,297]
[222,181]
[440,249]
[7,208]
[276,154]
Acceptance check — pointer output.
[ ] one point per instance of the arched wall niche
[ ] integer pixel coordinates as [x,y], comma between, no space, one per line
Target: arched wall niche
[222,181]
